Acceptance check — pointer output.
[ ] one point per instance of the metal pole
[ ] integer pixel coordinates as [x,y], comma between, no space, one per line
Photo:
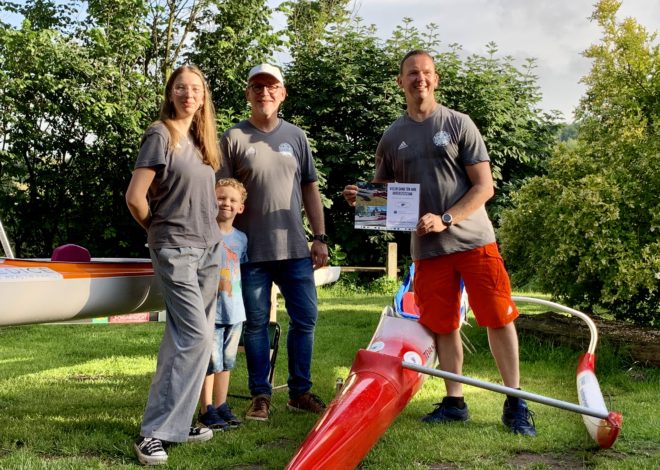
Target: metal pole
[5,242]
[563,308]
[507,390]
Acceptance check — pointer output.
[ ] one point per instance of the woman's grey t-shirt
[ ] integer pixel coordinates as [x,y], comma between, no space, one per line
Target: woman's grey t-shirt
[272,166]
[182,195]
[434,153]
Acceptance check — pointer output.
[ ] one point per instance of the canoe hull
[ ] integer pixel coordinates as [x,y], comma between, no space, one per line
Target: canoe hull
[39,291]
[375,392]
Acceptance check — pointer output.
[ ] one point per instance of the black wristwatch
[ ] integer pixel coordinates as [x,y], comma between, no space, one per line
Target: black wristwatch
[447,219]
[323,238]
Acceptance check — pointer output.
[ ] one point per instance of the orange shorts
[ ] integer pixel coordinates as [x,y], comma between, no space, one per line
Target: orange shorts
[437,289]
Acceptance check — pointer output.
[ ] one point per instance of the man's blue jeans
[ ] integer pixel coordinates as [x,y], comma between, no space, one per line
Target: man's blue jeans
[295,279]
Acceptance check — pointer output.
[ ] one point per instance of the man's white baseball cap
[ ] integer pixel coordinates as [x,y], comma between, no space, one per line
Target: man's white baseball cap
[266,69]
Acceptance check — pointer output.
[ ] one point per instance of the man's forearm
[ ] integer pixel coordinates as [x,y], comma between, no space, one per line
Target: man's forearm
[313,207]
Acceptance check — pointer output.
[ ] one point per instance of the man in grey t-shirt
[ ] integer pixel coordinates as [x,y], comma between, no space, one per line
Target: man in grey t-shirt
[442,150]
[272,159]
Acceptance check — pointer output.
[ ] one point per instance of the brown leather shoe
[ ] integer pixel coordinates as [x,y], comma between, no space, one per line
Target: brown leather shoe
[307,402]
[259,408]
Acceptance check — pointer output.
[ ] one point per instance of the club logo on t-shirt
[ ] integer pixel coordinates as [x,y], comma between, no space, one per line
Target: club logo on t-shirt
[441,139]
[286,149]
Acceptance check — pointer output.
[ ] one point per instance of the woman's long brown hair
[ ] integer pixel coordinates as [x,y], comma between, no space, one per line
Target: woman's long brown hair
[203,128]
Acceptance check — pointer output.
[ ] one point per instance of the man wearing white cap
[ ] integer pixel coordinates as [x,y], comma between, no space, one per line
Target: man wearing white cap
[273,160]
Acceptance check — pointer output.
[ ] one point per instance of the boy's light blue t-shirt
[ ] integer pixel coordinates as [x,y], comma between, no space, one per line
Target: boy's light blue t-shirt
[230,308]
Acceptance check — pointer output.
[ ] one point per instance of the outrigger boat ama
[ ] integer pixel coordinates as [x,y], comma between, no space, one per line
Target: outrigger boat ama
[73,286]
[386,375]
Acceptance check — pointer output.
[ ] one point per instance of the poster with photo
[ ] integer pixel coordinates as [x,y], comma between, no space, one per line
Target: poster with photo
[391,206]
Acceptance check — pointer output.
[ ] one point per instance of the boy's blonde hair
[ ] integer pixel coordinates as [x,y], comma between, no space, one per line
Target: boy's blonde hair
[234,183]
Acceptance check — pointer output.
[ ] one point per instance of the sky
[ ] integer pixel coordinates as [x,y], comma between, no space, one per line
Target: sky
[553,32]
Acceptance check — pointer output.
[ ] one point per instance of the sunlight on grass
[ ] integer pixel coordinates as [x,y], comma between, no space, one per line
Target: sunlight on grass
[98,369]
[75,400]
[15,360]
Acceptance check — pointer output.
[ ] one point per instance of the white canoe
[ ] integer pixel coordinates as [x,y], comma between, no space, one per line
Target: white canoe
[39,291]
[322,276]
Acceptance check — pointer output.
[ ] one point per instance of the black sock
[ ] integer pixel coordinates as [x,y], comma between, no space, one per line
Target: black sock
[513,401]
[458,402]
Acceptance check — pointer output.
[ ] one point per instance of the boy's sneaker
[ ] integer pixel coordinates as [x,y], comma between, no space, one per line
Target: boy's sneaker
[307,402]
[259,408]
[212,419]
[150,451]
[225,413]
[444,413]
[199,434]
[517,418]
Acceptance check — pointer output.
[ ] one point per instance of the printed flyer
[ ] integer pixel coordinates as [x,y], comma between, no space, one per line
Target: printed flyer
[391,206]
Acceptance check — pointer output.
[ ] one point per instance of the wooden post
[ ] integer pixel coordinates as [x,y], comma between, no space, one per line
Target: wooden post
[273,302]
[391,261]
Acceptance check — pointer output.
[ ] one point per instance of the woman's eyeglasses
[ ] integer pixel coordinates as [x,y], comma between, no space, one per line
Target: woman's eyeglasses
[183,89]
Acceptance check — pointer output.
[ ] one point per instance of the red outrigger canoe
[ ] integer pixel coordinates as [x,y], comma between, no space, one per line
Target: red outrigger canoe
[386,375]
[375,392]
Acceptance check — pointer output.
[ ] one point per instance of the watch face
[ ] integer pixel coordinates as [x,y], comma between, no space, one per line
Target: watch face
[447,219]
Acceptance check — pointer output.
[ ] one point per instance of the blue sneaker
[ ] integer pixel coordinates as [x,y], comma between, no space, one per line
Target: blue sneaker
[519,419]
[212,419]
[446,414]
[225,413]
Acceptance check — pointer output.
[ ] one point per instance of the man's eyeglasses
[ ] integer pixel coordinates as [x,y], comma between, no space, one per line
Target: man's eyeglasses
[183,89]
[258,87]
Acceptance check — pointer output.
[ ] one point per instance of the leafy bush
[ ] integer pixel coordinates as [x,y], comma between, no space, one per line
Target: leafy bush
[588,231]
[363,284]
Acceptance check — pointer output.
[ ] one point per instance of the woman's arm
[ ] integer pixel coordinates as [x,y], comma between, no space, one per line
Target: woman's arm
[136,195]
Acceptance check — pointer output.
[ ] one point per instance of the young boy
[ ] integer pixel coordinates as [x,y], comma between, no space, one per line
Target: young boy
[230,313]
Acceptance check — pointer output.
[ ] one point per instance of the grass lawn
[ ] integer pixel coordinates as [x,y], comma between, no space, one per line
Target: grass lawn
[71,397]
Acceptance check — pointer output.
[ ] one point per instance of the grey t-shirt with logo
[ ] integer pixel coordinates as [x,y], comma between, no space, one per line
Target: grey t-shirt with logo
[434,153]
[272,166]
[182,195]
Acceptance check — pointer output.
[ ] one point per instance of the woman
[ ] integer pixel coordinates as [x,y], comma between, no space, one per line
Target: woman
[172,196]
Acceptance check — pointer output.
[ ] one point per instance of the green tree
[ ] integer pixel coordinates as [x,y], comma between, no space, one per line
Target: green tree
[407,37]
[588,231]
[71,113]
[342,89]
[225,27]
[75,97]
[125,100]
[44,14]
[568,132]
[171,24]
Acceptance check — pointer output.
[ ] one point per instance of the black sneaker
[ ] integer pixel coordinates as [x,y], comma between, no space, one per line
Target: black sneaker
[444,413]
[150,451]
[212,419]
[517,418]
[225,413]
[199,434]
